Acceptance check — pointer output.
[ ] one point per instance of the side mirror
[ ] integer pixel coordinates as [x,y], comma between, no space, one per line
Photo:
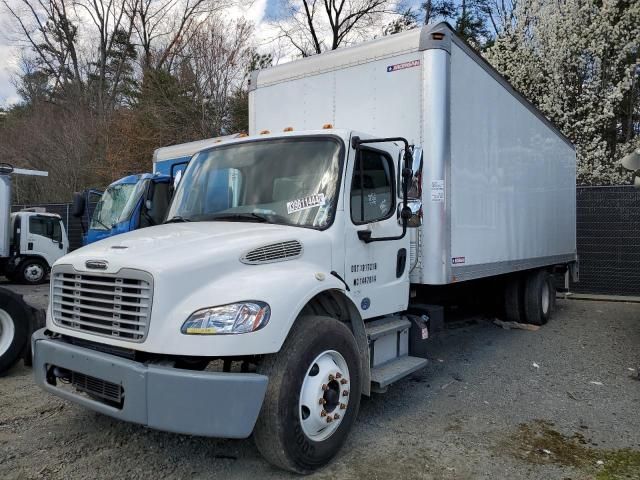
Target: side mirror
[415,187]
[413,213]
[79,204]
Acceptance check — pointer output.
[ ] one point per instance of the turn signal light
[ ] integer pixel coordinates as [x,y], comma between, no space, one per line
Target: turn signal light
[437,35]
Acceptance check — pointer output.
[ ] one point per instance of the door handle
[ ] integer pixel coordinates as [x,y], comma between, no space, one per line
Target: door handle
[401,262]
[364,235]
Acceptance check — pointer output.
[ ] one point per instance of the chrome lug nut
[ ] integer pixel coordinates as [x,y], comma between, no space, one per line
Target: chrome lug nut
[336,416]
[343,406]
[325,387]
[338,375]
[329,419]
[345,393]
[323,413]
[343,381]
[331,377]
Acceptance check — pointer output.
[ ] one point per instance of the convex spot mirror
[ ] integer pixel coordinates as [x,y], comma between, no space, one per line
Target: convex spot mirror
[415,207]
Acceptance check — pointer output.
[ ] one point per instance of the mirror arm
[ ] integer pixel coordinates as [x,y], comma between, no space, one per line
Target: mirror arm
[365,235]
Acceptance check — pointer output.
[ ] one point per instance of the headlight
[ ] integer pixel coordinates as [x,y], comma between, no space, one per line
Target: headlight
[240,317]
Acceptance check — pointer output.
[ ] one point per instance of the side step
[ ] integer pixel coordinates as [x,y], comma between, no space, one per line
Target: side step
[386,326]
[384,375]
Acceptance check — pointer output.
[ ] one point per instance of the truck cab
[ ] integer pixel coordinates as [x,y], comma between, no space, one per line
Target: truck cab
[38,239]
[133,202]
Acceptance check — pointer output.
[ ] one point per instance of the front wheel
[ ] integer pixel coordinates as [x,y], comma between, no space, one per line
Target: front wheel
[32,271]
[313,395]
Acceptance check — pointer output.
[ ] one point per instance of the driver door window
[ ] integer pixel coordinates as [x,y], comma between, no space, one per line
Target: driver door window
[46,227]
[372,190]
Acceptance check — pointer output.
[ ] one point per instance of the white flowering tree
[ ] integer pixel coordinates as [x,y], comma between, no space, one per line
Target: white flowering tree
[579,62]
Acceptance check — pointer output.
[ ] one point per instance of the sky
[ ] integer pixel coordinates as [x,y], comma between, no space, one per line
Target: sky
[258,12]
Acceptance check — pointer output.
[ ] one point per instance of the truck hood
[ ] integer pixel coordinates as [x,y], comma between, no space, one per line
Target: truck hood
[190,246]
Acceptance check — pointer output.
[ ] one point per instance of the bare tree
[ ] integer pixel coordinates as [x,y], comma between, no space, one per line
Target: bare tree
[114,22]
[313,26]
[161,27]
[217,57]
[50,32]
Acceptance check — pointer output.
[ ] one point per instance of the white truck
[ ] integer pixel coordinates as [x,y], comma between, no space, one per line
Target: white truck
[313,283]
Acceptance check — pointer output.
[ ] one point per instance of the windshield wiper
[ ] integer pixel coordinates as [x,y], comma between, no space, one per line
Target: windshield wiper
[105,227]
[177,219]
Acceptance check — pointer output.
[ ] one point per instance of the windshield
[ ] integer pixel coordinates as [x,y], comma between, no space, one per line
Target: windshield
[116,205]
[288,181]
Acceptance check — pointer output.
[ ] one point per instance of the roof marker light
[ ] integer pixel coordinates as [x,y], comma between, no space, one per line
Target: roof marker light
[288,129]
[243,134]
[327,126]
[265,132]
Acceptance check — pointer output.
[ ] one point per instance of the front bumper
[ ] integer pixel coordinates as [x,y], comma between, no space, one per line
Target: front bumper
[212,404]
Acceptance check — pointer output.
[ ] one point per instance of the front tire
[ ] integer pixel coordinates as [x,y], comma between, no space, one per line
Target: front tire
[313,395]
[32,271]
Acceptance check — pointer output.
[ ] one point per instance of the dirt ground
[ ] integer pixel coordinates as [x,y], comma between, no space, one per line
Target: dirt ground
[562,402]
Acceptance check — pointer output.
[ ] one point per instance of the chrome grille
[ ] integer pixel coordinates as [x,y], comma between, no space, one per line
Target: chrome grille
[275,252]
[116,306]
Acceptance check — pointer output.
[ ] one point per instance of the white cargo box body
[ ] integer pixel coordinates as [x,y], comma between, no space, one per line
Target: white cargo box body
[499,180]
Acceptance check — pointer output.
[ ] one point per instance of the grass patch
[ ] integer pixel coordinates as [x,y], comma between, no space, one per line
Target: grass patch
[537,442]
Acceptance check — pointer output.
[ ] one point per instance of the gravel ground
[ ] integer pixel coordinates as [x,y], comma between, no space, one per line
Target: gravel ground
[561,402]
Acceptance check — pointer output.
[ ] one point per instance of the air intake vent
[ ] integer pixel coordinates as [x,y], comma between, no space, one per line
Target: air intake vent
[275,252]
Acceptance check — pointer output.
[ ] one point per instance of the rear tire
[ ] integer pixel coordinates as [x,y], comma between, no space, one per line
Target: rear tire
[292,432]
[514,299]
[14,331]
[32,271]
[539,297]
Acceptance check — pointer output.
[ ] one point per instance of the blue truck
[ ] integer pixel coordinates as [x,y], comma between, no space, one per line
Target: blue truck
[140,200]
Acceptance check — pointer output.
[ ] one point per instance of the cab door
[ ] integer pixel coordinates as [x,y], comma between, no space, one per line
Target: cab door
[46,238]
[376,272]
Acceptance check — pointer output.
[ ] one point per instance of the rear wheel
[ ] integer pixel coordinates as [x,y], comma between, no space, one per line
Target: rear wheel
[313,395]
[540,297]
[32,271]
[14,331]
[514,299]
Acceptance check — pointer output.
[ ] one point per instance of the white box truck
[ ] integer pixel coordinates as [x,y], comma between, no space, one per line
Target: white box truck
[310,285]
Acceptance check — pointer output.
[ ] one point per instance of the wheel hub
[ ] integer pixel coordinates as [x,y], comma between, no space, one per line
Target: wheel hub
[324,395]
[34,273]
